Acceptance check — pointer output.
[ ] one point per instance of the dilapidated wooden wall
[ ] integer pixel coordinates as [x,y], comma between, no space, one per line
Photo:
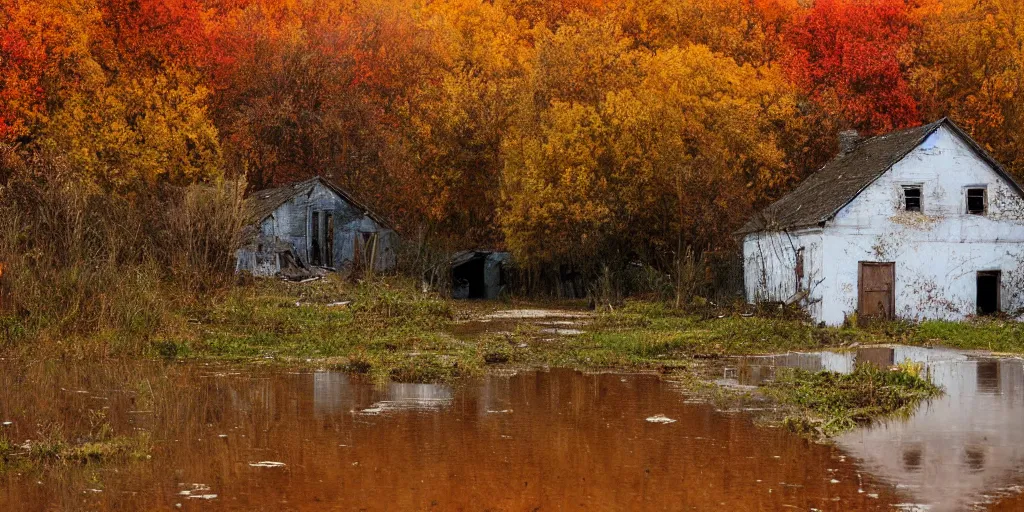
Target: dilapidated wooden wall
[358,239]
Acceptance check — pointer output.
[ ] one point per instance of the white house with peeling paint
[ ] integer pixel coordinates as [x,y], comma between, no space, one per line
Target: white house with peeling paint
[916,224]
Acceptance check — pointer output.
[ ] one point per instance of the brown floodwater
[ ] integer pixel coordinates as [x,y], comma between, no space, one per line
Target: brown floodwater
[261,439]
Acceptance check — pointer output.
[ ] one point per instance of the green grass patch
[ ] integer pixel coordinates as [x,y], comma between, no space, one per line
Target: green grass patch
[981,334]
[652,331]
[838,402]
[54,450]
[675,336]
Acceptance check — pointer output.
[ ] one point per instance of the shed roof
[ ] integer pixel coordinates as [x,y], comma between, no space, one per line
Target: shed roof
[820,197]
[262,204]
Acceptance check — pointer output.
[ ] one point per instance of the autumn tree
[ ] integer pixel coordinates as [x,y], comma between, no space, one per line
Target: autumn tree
[459,118]
[154,34]
[136,132]
[695,147]
[750,32]
[851,57]
[971,67]
[326,90]
[668,149]
[556,200]
[43,48]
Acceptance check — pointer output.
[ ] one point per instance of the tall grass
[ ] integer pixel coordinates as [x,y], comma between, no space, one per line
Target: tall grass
[79,262]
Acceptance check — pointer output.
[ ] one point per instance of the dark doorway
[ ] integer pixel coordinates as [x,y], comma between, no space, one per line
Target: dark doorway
[988,292]
[468,278]
[329,239]
[315,257]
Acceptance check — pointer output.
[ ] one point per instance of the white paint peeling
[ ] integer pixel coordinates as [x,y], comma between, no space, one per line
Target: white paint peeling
[937,252]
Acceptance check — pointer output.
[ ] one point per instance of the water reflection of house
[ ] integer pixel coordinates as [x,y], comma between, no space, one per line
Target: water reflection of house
[956,448]
[334,393]
[755,370]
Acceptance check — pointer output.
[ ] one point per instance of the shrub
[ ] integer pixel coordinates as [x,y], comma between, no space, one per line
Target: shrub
[78,260]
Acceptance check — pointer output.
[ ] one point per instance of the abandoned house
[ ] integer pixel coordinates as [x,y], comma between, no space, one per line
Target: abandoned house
[312,224]
[479,274]
[916,224]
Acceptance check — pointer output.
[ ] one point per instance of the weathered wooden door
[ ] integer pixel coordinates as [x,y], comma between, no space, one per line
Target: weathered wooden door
[876,291]
[329,239]
[315,249]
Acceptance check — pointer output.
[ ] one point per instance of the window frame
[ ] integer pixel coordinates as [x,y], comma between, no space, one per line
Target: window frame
[984,200]
[920,196]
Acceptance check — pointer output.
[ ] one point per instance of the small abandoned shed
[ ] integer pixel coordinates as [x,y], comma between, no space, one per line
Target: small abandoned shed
[312,223]
[479,274]
[917,224]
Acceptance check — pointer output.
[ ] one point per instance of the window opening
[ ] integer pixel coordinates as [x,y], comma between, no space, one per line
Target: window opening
[912,198]
[976,201]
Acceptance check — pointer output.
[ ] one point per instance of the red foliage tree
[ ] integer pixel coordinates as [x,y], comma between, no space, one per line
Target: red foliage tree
[20,90]
[156,33]
[851,57]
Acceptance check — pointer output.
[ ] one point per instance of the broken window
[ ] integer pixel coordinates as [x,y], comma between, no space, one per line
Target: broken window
[976,201]
[912,198]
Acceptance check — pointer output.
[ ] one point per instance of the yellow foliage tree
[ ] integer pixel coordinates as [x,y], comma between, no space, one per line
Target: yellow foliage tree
[694,147]
[138,131]
[678,156]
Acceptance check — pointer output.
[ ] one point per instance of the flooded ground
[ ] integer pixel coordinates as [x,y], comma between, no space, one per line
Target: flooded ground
[227,440]
[260,439]
[963,450]
[547,322]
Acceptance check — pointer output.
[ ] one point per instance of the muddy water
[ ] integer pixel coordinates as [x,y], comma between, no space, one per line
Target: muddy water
[228,439]
[964,450]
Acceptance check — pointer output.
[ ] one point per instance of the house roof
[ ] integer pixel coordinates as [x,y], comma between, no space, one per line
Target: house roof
[820,197]
[263,203]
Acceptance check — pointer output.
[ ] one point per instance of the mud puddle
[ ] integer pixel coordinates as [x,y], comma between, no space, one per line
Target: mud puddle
[252,439]
[225,438]
[964,450]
